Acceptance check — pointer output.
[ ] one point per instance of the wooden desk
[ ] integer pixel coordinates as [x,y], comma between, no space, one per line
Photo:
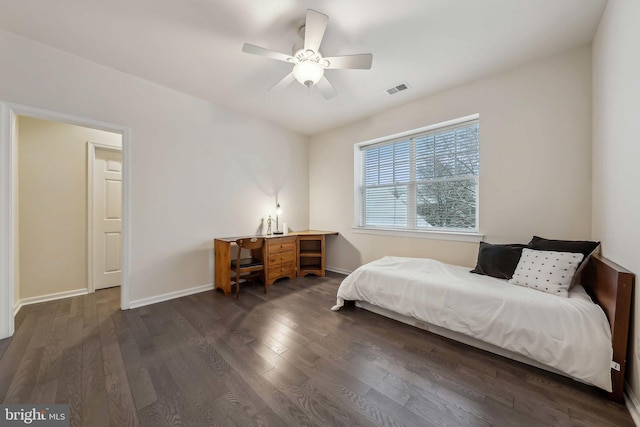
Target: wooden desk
[287,255]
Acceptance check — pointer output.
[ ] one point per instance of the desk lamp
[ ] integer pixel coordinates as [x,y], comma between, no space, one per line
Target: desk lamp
[278,213]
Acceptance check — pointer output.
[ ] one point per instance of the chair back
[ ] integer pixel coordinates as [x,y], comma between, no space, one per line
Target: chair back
[254,267]
[250,243]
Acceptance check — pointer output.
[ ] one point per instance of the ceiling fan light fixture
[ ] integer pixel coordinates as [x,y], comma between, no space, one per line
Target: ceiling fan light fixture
[309,64]
[308,73]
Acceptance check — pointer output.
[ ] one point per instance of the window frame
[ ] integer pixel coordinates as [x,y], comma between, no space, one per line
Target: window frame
[470,235]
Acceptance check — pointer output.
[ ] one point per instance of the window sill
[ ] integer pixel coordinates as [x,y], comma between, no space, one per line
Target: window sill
[457,236]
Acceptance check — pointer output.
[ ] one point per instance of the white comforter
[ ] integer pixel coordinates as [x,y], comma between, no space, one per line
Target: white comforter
[571,334]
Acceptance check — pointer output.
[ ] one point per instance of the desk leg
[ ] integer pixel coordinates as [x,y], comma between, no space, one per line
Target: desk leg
[222,265]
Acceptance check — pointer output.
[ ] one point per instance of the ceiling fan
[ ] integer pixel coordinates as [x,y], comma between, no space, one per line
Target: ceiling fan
[309,64]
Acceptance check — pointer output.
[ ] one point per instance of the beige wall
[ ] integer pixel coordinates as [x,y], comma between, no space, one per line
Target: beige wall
[52,190]
[616,148]
[197,170]
[535,137]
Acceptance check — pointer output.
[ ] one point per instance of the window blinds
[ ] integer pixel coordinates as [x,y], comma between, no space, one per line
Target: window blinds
[425,181]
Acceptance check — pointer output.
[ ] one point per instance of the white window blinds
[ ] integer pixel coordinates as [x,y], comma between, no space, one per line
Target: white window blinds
[424,181]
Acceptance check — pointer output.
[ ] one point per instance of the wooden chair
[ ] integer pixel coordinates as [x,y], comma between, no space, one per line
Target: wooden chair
[249,268]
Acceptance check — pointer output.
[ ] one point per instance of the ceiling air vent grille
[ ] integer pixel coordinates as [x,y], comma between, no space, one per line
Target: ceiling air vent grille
[398,88]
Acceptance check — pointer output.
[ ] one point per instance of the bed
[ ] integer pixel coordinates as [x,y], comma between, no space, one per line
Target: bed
[570,336]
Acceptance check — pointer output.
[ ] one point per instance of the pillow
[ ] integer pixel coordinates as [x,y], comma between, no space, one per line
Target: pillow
[498,260]
[584,247]
[546,271]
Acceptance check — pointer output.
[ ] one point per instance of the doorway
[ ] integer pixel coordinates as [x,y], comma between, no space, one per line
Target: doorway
[10,298]
[104,207]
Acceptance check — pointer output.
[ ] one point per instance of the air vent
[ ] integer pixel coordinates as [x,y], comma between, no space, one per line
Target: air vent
[398,88]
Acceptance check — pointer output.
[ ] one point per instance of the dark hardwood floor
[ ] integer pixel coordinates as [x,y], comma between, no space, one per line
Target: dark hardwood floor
[271,360]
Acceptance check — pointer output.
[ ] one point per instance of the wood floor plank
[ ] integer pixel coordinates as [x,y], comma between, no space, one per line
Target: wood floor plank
[41,330]
[279,403]
[242,351]
[284,368]
[73,333]
[399,413]
[231,412]
[44,393]
[334,384]
[12,357]
[89,316]
[20,316]
[205,360]
[322,409]
[4,344]
[197,395]
[53,346]
[280,359]
[77,307]
[95,405]
[499,414]
[333,375]
[170,408]
[122,410]
[63,307]
[25,376]
[70,384]
[443,412]
[448,379]
[142,390]
[244,393]
[268,418]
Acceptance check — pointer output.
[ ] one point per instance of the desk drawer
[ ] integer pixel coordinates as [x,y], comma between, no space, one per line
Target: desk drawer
[287,244]
[288,257]
[284,270]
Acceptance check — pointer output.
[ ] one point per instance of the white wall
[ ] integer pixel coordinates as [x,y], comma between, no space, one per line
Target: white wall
[16,221]
[535,139]
[197,171]
[616,147]
[53,204]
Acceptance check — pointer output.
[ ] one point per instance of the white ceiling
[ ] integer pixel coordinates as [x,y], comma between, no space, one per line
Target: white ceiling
[195,46]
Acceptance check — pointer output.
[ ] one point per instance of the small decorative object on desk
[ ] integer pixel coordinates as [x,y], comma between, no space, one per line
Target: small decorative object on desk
[285,228]
[269,220]
[278,213]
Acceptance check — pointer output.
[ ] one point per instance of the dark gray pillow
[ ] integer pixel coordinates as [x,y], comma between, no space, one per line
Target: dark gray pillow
[584,247]
[498,261]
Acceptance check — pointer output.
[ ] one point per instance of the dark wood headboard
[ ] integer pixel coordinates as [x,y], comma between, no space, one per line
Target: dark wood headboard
[611,287]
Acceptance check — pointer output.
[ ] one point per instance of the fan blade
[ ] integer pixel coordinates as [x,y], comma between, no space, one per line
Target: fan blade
[286,81]
[257,50]
[314,27]
[326,89]
[361,61]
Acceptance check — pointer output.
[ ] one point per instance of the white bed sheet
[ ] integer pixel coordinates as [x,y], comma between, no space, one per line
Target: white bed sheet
[571,335]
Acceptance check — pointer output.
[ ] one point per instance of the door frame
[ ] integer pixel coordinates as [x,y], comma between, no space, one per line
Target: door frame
[91,159]
[8,180]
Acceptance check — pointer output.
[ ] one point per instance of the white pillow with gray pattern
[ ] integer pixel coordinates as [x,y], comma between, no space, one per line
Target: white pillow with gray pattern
[546,271]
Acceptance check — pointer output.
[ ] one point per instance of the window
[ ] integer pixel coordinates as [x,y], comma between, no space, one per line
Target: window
[425,180]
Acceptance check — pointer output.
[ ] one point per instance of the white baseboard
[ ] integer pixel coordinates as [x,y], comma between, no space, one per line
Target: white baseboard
[133,304]
[169,295]
[338,270]
[632,403]
[46,298]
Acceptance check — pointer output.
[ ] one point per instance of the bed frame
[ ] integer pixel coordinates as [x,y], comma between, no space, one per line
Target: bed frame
[611,287]
[608,284]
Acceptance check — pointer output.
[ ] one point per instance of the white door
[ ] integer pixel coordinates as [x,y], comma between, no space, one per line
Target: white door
[107,218]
